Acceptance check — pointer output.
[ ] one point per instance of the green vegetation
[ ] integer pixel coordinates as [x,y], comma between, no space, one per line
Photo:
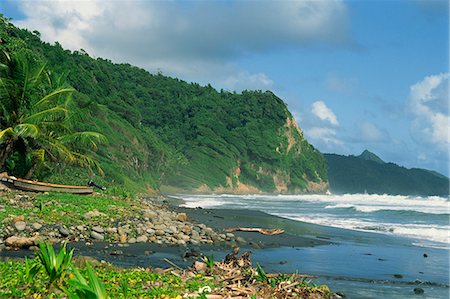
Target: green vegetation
[164,131]
[105,281]
[35,119]
[368,173]
[67,209]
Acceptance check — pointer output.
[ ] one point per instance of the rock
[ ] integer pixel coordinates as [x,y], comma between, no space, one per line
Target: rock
[20,225]
[229,236]
[150,231]
[148,252]
[425,255]
[338,295]
[181,242]
[186,229]
[398,276]
[200,267]
[36,226]
[181,217]
[63,231]
[91,214]
[20,242]
[98,229]
[132,240]
[195,235]
[142,239]
[122,238]
[95,235]
[80,228]
[418,291]
[159,232]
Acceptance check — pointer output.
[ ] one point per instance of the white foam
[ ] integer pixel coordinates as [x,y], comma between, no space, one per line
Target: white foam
[318,209]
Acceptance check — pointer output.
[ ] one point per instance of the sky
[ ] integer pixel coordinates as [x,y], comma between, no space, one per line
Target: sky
[355,74]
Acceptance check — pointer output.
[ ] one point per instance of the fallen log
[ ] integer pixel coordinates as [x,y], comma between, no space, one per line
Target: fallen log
[263,231]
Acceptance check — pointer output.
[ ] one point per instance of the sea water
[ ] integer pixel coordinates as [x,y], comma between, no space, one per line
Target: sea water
[419,257]
[425,219]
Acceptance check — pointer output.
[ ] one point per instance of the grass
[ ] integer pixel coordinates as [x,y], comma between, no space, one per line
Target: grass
[67,209]
[139,283]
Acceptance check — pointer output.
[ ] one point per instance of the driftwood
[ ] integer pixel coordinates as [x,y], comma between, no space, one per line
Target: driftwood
[263,231]
[239,280]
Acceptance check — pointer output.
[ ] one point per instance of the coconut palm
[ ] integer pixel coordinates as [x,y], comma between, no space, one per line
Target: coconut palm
[35,114]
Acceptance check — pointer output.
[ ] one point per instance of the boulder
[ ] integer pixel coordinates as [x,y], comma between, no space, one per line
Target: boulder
[20,242]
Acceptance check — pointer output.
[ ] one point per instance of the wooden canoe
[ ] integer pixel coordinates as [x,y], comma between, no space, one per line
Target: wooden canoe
[35,186]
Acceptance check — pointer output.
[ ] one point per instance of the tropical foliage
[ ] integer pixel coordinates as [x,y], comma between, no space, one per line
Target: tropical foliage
[35,118]
[164,131]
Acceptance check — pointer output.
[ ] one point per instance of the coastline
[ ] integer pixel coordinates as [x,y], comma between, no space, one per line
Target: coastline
[358,264]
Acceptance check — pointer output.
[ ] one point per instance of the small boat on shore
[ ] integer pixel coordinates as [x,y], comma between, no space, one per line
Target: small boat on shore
[35,186]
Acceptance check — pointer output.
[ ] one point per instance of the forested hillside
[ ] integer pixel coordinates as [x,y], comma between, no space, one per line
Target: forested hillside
[163,131]
[368,173]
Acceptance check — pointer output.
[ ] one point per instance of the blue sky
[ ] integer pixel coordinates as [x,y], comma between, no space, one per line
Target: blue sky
[356,74]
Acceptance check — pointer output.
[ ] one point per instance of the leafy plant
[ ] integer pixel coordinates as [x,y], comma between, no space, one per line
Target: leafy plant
[91,289]
[260,273]
[209,260]
[55,265]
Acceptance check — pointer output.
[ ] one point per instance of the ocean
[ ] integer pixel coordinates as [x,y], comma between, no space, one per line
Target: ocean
[397,243]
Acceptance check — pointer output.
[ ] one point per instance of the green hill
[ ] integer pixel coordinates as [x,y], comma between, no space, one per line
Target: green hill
[368,173]
[163,131]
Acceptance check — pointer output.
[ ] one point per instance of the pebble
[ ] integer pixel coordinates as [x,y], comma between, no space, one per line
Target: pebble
[182,217]
[98,229]
[132,240]
[97,236]
[20,225]
[63,231]
[142,239]
[36,226]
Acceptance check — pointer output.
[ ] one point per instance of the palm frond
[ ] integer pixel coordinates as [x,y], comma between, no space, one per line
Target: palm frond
[91,139]
[47,115]
[5,133]
[27,130]
[53,94]
[86,161]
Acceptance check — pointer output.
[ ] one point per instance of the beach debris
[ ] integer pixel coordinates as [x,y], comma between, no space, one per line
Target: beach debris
[263,231]
[240,280]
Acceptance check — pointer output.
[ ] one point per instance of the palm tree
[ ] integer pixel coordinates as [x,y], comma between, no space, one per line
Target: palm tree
[34,112]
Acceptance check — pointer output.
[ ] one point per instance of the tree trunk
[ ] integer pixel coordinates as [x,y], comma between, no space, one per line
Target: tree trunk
[33,167]
[4,154]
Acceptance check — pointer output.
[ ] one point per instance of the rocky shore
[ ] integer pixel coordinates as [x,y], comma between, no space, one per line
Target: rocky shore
[144,220]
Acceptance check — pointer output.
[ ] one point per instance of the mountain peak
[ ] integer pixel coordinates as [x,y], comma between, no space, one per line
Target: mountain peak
[369,156]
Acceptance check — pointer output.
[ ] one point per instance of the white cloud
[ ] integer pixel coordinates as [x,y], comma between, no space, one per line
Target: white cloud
[320,109]
[429,104]
[195,40]
[326,137]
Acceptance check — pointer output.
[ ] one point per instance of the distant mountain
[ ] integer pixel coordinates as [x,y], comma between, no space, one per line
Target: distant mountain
[369,156]
[368,173]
